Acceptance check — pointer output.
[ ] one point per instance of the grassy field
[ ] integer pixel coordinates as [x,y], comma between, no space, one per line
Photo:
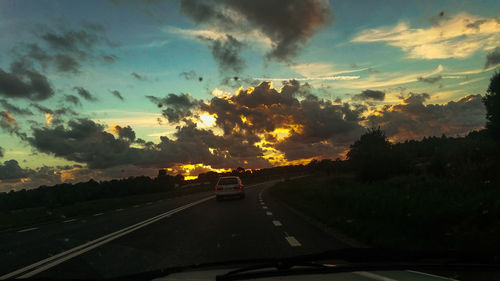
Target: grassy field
[406,212]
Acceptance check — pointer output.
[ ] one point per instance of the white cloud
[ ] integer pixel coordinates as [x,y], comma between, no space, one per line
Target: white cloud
[457,37]
[392,79]
[473,71]
[309,70]
[251,36]
[331,78]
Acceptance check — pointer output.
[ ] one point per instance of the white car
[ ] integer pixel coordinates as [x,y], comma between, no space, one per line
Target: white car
[229,186]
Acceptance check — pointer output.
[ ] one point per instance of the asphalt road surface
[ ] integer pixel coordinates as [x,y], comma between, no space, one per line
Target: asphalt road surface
[163,233]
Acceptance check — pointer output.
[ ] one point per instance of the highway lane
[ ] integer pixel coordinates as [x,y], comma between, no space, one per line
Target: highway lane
[256,227]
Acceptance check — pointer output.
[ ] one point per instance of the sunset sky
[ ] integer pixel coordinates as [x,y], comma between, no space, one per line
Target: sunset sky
[112,89]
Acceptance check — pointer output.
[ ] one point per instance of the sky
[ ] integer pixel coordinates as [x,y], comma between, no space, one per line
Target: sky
[112,89]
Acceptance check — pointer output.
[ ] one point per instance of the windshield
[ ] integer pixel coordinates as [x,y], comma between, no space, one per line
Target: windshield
[349,123]
[228,181]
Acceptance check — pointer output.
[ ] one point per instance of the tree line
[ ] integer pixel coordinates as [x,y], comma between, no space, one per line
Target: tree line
[474,157]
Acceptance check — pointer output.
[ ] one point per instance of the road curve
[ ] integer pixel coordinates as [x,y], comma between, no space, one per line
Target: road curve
[163,233]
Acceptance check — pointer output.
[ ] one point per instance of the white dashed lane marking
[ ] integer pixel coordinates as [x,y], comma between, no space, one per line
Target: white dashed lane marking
[277,223]
[135,206]
[149,203]
[71,220]
[292,241]
[98,214]
[28,229]
[264,207]
[373,276]
[118,210]
[269,213]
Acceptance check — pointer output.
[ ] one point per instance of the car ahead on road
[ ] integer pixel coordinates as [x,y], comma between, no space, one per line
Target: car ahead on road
[230,186]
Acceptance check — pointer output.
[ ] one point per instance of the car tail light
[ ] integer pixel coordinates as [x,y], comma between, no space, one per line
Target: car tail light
[218,188]
[238,187]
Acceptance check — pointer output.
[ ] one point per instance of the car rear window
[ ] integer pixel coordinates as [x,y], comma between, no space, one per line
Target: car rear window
[227,181]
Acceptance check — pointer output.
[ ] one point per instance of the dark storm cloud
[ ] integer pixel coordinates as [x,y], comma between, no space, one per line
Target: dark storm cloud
[177,107]
[117,94]
[412,119]
[65,49]
[82,92]
[493,58]
[430,80]
[84,141]
[125,132]
[11,170]
[226,53]
[23,82]
[289,24]
[72,99]
[73,41]
[14,109]
[138,76]
[370,95]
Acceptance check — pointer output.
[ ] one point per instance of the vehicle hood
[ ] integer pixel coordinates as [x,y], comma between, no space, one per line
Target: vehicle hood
[407,275]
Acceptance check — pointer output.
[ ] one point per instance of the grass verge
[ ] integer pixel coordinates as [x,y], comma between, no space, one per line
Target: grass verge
[405,213]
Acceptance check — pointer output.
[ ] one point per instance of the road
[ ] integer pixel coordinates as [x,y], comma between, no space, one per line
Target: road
[164,233]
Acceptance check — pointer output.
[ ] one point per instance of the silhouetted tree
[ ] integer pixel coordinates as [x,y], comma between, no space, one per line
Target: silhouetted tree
[370,156]
[492,103]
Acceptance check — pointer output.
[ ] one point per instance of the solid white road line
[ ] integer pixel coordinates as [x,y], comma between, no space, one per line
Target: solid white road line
[28,229]
[292,241]
[277,223]
[71,253]
[269,213]
[431,275]
[70,220]
[373,276]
